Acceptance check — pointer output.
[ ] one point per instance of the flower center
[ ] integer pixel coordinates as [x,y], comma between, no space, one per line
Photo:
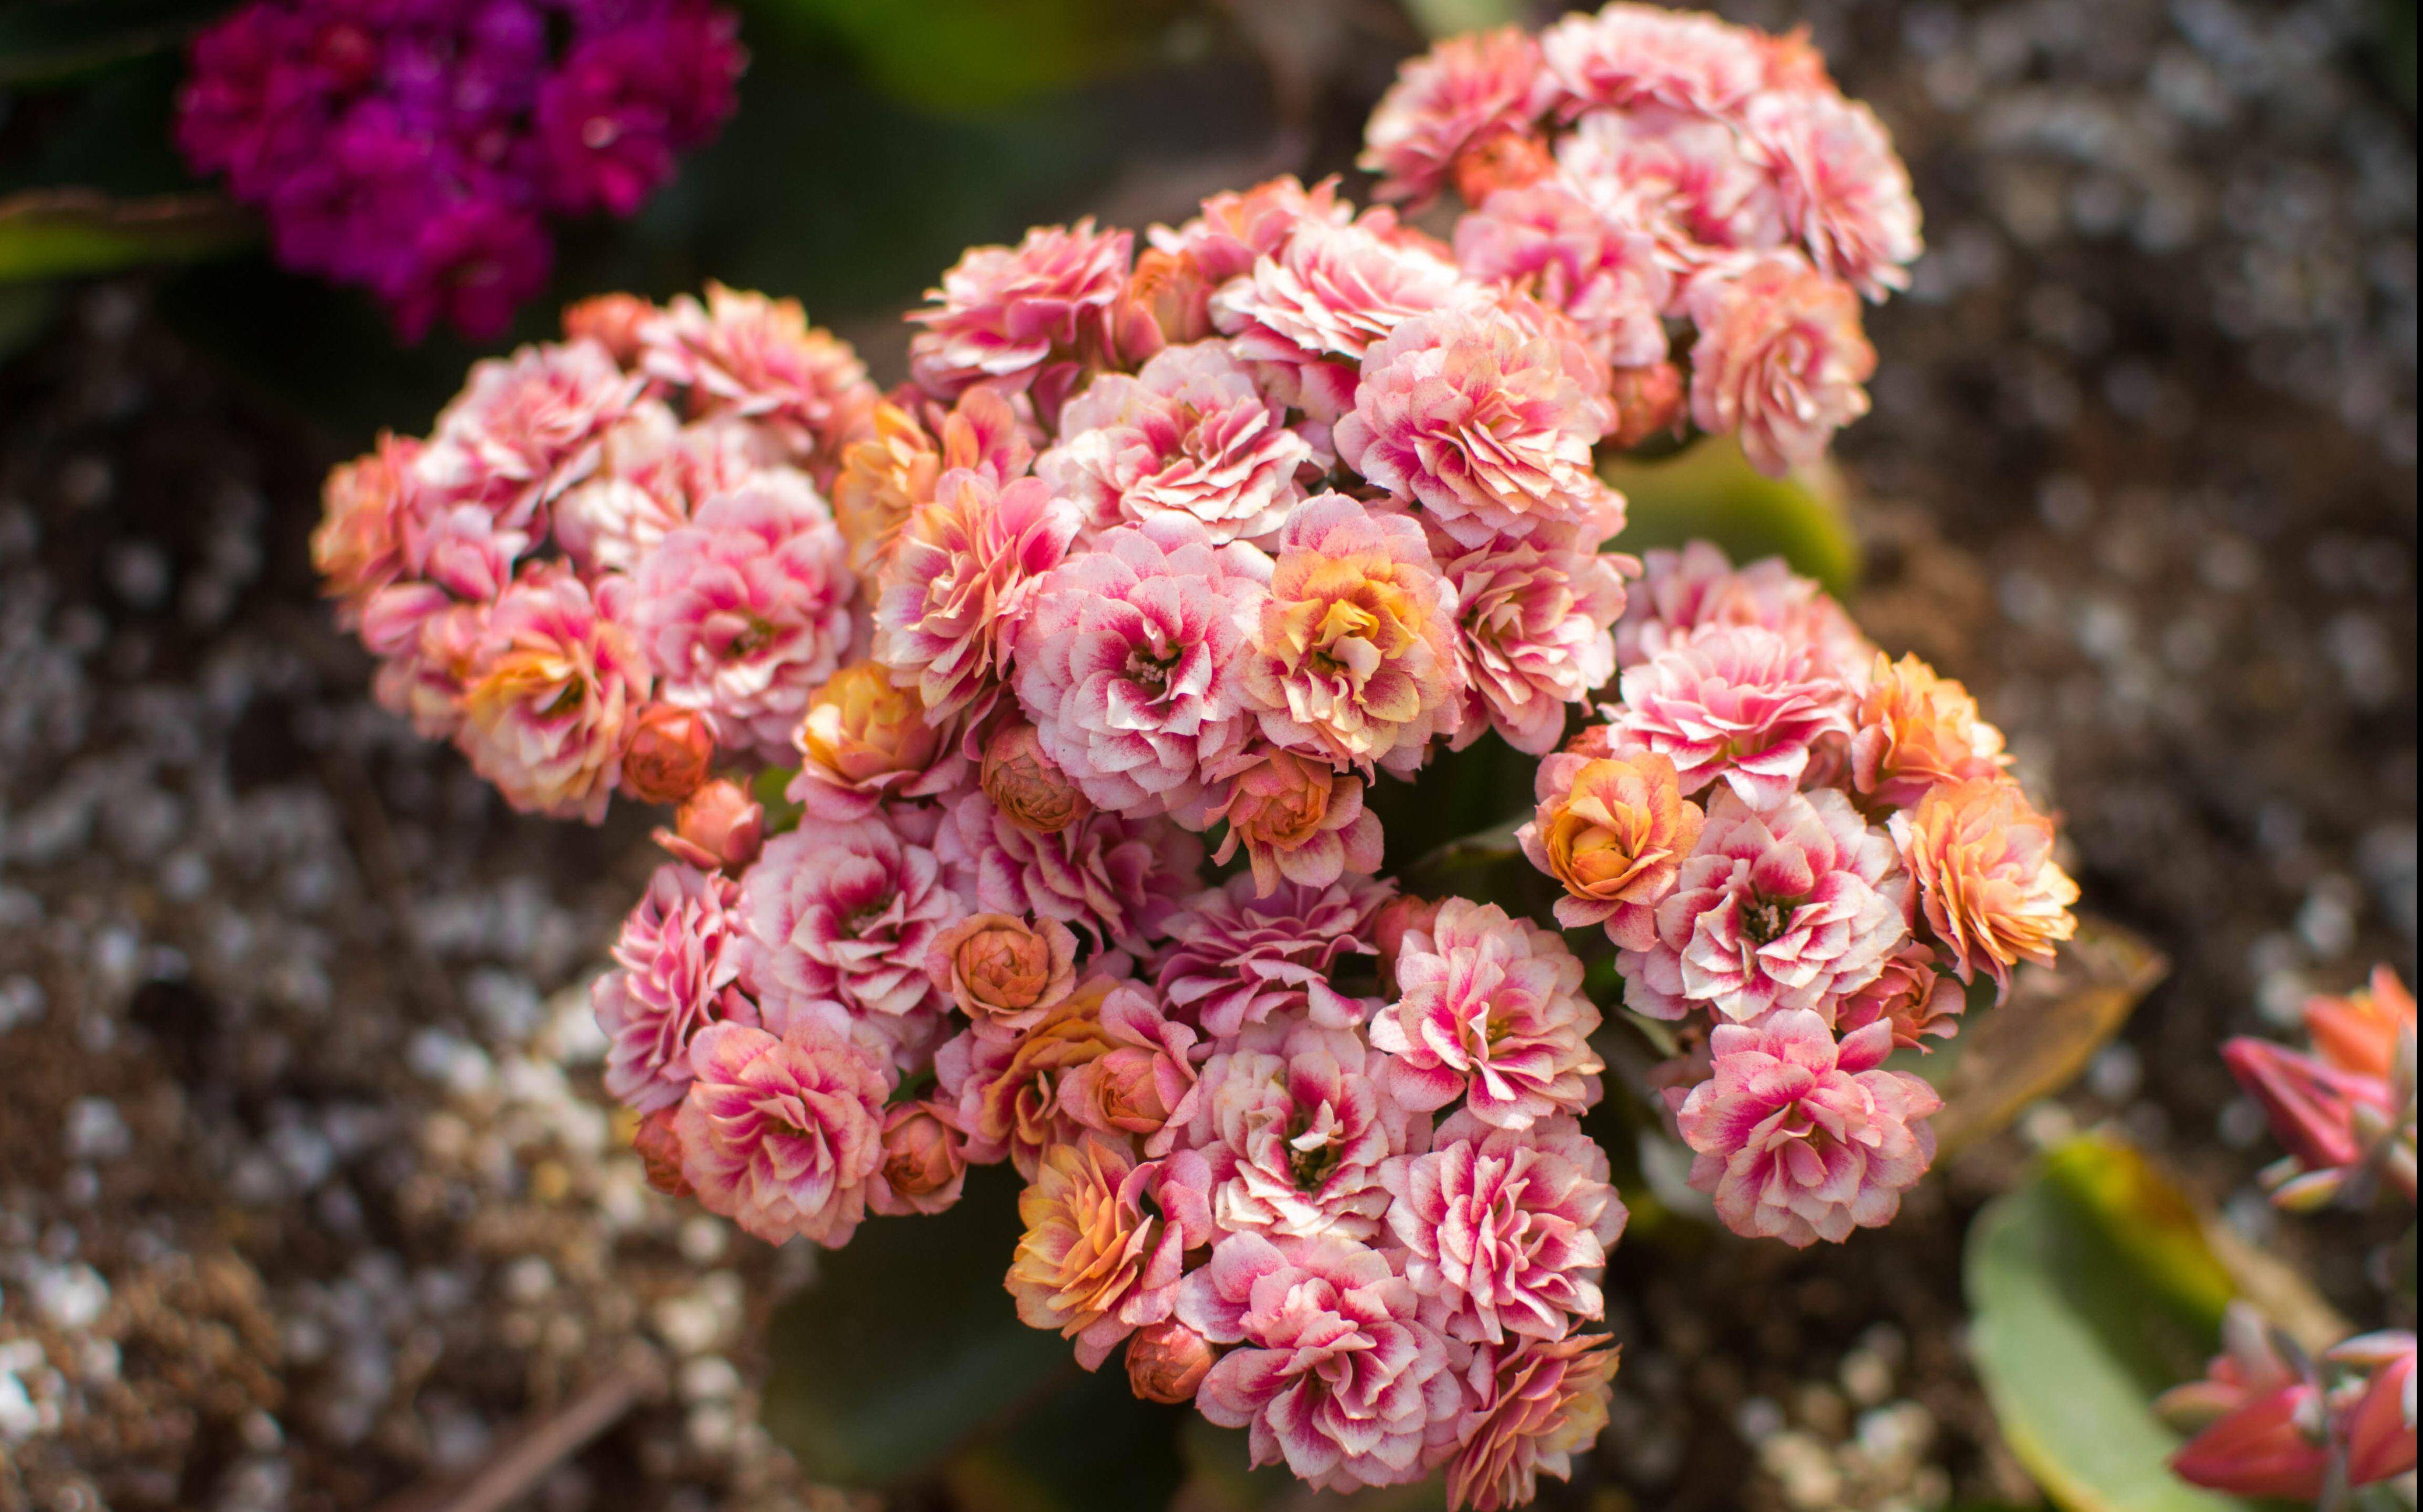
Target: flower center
[1149,667]
[1764,919]
[859,919]
[1309,1168]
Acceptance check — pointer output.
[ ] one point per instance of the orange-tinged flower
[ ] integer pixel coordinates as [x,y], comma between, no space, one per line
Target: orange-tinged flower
[1007,1094]
[1167,1360]
[613,321]
[1537,1404]
[1988,881]
[1297,819]
[1004,972]
[1915,729]
[671,752]
[864,741]
[2360,1032]
[1022,782]
[1615,831]
[1096,1263]
[359,546]
[924,1162]
[882,481]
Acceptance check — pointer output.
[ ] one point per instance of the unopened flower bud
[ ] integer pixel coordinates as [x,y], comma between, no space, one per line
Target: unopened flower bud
[1647,401]
[719,825]
[1167,1360]
[610,320]
[1504,160]
[670,754]
[1004,972]
[660,1151]
[924,1162]
[1172,287]
[1024,783]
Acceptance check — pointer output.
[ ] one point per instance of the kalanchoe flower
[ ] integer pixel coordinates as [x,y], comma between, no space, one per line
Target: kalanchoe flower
[1800,1139]
[1914,730]
[955,590]
[864,742]
[609,121]
[1911,996]
[1024,783]
[1788,907]
[1167,1360]
[1681,590]
[1735,703]
[746,355]
[1649,401]
[661,1153]
[1457,99]
[1237,956]
[1336,1374]
[613,321]
[525,428]
[358,546]
[1238,226]
[1295,818]
[1989,884]
[1144,1086]
[1530,1409]
[1639,55]
[1326,296]
[1116,881]
[652,473]
[1032,315]
[1004,972]
[550,696]
[1607,278]
[1532,632]
[1615,832]
[1845,191]
[717,825]
[1005,1093]
[678,971]
[846,914]
[1781,359]
[781,1134]
[924,1162]
[1684,181]
[1492,1010]
[883,479]
[671,753]
[1106,1243]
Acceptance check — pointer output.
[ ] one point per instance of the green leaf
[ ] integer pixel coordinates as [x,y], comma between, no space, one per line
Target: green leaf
[1451,18]
[49,233]
[1709,491]
[972,56]
[2093,1290]
[47,39]
[906,1345]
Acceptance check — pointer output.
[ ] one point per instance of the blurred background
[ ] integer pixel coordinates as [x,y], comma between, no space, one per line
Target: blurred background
[298,1206]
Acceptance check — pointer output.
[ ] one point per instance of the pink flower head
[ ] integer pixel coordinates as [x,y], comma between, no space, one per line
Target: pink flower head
[2317,1112]
[1845,190]
[1004,972]
[527,427]
[428,645]
[924,1162]
[1916,729]
[1024,783]
[1144,1087]
[1354,658]
[1734,701]
[1188,435]
[1106,1244]
[1481,423]
[1021,316]
[652,473]
[1297,818]
[1781,359]
[550,696]
[1491,1011]
[1235,958]
[1786,907]
[1991,891]
[1800,1139]
[1607,278]
[1532,632]
[1115,880]
[846,914]
[1326,297]
[780,1134]
[1680,591]
[1917,1001]
[358,545]
[864,742]
[1239,226]
[1615,829]
[957,587]
[1454,99]
[1530,1409]
[2378,1424]
[1640,55]
[678,968]
[717,825]
[1127,662]
[751,355]
[1337,1375]
[1686,182]
[745,608]
[1505,1231]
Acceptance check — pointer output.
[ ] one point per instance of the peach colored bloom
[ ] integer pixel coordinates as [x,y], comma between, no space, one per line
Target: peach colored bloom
[1297,819]
[1115,880]
[864,742]
[924,1162]
[1991,891]
[1032,315]
[1096,1263]
[1167,1362]
[1237,226]
[1530,1409]
[661,1153]
[1735,704]
[357,546]
[1456,99]
[1637,54]
[527,427]
[957,588]
[1004,1094]
[717,825]
[613,321]
[1144,1087]
[884,477]
[678,970]
[746,355]
[2362,1032]
[1606,277]
[551,695]
[1237,956]
[846,913]
[1781,359]
[1004,972]
[427,645]
[672,752]
[781,1134]
[1533,620]
[1025,785]
[1492,1012]
[1912,730]
[1845,190]
[1615,832]
[1399,919]
[1920,1002]
[1794,63]
[1172,288]
[1648,401]
[1325,297]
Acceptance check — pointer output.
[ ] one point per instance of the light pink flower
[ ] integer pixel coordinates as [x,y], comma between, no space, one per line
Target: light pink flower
[780,1134]
[1239,226]
[1686,182]
[427,645]
[1637,55]
[1127,662]
[1681,590]
[1993,892]
[1188,435]
[1788,907]
[1454,99]
[1144,1087]
[678,970]
[924,1162]
[527,427]
[1732,701]
[745,608]
[1235,958]
[717,825]
[1530,1409]
[357,546]
[846,914]
[1467,414]
[1295,816]
[1022,316]
[1337,1375]
[550,696]
[958,584]
[1798,1139]
[1106,1244]
[654,472]
[1492,1010]
[1781,359]
[1117,881]
[746,355]
[1328,297]
[458,543]
[1532,632]
[1919,1002]
[1845,190]
[1505,1231]
[1607,278]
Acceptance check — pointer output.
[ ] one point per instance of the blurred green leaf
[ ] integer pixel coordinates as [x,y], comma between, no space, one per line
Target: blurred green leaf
[46,39]
[49,233]
[908,1345]
[972,56]
[1709,491]
[2093,1290]
[1449,18]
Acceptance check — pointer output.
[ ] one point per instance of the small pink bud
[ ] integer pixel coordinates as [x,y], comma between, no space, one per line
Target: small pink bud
[1167,1360]
[1024,783]
[719,825]
[1648,401]
[925,1161]
[2271,1446]
[2311,1106]
[670,754]
[660,1151]
[610,320]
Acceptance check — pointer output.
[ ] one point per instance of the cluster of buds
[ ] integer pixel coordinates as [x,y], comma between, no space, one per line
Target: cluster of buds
[1803,850]
[1643,165]
[2345,1113]
[2271,1422]
[416,148]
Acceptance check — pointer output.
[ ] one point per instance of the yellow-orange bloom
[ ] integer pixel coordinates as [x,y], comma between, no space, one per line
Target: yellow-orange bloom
[2359,1033]
[882,481]
[1095,1262]
[1915,729]
[864,741]
[1615,831]
[1988,881]
[1009,1095]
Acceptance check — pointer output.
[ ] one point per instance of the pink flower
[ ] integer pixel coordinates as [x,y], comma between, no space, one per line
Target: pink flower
[428,645]
[1117,881]
[2265,1427]
[654,472]
[1454,99]
[1336,1376]
[848,913]
[1605,277]
[458,543]
[1479,422]
[745,608]
[746,355]
[1296,817]
[780,1135]
[1532,632]
[550,697]
[1326,297]
[1798,1139]
[1915,729]
[1127,662]
[1188,435]
[718,824]
[1788,907]
[1918,1002]
[924,1162]
[1004,972]
[527,427]
[957,587]
[1024,783]
[1734,701]
[1642,55]
[864,742]
[1235,958]
[1988,881]
[357,546]
[1106,1245]
[1843,188]
[1144,1087]
[1022,316]
[1615,831]
[678,968]
[1505,1231]
[1004,1094]
[1686,182]
[1491,1011]
[1530,1409]
[1354,656]
[1681,590]
[2328,1119]
[670,756]
[1167,1362]
[1239,226]
[1781,359]
[2378,1425]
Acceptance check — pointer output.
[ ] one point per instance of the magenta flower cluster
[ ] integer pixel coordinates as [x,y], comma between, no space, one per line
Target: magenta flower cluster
[416,148]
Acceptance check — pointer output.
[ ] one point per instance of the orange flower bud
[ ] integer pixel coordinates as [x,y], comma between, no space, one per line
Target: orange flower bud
[1024,783]
[670,754]
[1167,1360]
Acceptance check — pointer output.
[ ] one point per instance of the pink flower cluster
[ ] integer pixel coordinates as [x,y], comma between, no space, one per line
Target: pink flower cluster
[613,561]
[1643,166]
[2346,1111]
[1803,851]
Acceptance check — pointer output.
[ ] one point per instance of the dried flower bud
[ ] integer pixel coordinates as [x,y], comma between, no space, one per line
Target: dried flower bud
[1648,401]
[660,1153]
[719,825]
[670,754]
[1024,783]
[1003,972]
[1167,1360]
